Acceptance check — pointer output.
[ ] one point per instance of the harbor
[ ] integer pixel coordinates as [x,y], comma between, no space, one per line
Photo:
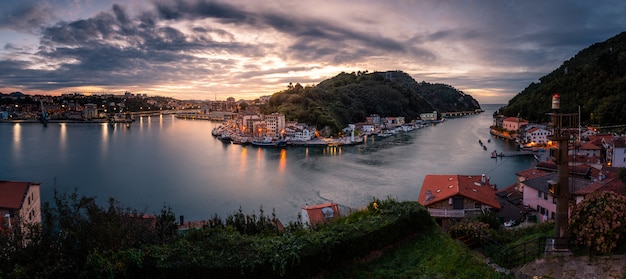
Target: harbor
[163,159]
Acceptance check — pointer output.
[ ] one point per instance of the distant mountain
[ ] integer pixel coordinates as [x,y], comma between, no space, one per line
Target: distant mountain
[350,97]
[16,94]
[594,80]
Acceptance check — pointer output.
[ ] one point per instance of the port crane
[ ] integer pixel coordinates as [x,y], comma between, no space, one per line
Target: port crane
[44,115]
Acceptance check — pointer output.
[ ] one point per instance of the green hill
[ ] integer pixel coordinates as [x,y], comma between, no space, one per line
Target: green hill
[594,79]
[350,97]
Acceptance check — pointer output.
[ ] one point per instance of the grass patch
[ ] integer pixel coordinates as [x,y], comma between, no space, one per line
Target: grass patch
[432,254]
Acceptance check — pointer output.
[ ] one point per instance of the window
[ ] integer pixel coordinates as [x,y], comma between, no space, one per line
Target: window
[476,205]
[553,215]
[545,196]
[539,193]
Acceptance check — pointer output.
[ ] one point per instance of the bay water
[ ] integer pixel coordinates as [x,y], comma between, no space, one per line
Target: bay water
[163,160]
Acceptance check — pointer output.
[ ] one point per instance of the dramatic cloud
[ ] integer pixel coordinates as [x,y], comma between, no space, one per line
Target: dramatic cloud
[24,16]
[201,49]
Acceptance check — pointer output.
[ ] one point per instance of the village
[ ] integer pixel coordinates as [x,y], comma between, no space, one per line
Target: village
[594,162]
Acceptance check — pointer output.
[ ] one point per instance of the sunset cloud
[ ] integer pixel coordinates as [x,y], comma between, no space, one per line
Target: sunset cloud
[201,49]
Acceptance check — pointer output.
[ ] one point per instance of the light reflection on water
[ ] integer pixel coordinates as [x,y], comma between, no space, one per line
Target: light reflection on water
[164,160]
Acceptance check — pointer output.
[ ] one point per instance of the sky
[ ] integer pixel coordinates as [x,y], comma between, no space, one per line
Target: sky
[212,50]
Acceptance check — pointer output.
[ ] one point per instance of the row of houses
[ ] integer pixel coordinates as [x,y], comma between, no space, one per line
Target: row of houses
[587,145]
[452,197]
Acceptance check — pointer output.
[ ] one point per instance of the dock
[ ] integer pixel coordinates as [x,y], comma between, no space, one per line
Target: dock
[514,153]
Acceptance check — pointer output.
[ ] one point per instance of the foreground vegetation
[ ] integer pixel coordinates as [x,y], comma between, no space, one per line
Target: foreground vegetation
[388,239]
[79,239]
[430,255]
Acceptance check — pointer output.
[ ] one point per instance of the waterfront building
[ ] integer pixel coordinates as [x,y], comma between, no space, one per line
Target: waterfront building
[373,119]
[275,124]
[90,111]
[537,136]
[368,128]
[514,123]
[248,121]
[319,214]
[431,116]
[20,203]
[299,132]
[457,196]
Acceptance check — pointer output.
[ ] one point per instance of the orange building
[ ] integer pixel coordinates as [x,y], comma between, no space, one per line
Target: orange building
[457,196]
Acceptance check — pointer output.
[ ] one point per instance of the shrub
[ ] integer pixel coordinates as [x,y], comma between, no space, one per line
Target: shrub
[599,222]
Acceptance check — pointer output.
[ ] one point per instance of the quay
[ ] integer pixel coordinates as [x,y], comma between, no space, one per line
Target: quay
[453,114]
[501,135]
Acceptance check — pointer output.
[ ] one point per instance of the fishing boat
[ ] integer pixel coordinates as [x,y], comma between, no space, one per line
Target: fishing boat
[267,141]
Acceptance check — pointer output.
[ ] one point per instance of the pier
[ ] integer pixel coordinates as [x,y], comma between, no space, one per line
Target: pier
[514,153]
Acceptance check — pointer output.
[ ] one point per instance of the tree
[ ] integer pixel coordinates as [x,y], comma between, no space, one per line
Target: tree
[78,237]
[599,222]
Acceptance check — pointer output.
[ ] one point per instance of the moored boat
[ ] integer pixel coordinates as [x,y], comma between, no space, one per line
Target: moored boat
[265,142]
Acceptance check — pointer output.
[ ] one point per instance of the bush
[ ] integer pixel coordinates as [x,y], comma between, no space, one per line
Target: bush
[599,222]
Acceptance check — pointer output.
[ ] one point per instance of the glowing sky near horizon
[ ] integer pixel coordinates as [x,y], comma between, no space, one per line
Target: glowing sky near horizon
[202,49]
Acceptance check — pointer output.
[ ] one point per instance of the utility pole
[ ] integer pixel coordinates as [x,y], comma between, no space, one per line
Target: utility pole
[559,155]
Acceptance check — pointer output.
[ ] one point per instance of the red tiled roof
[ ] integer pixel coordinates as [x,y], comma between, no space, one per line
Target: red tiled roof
[609,184]
[532,130]
[442,187]
[532,173]
[619,142]
[583,158]
[589,146]
[515,119]
[316,215]
[597,138]
[12,194]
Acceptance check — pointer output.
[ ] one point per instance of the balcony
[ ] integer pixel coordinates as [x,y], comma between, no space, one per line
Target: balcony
[453,213]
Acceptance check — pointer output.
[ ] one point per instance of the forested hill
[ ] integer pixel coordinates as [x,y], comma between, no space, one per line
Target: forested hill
[594,79]
[350,97]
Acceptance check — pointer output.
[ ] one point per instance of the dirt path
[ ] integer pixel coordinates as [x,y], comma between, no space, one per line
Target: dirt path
[570,267]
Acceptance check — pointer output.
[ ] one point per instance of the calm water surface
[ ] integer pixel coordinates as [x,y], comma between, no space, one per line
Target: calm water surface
[167,161]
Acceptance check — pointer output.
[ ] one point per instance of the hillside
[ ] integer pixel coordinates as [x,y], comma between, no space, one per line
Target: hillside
[594,79]
[350,97]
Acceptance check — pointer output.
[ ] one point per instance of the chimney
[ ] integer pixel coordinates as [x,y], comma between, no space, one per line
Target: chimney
[483,179]
[182,219]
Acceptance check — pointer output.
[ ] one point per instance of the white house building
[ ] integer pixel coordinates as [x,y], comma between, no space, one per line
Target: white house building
[615,151]
[537,135]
